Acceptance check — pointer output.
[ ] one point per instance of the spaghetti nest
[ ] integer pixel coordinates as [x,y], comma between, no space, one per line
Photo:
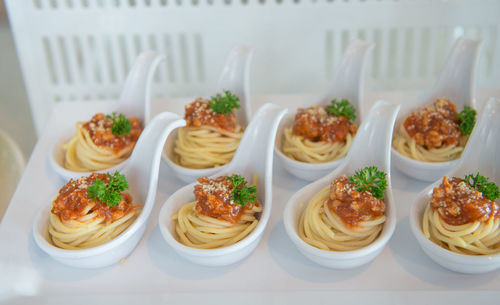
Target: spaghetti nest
[475,238]
[408,146]
[318,136]
[305,150]
[88,231]
[94,147]
[204,232]
[78,222]
[461,219]
[223,213]
[206,146]
[431,134]
[322,228]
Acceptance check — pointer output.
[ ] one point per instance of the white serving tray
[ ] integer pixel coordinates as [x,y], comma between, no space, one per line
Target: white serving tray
[275,271]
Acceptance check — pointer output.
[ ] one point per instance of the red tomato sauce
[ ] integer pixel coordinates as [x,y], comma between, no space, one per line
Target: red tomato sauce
[99,128]
[213,199]
[316,124]
[73,200]
[199,113]
[351,205]
[458,203]
[435,125]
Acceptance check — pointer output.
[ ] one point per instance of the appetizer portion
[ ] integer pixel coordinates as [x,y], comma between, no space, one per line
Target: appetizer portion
[223,213]
[463,217]
[101,143]
[321,134]
[211,135]
[435,133]
[346,215]
[91,211]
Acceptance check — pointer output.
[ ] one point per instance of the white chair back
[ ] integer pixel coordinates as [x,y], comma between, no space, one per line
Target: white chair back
[82,49]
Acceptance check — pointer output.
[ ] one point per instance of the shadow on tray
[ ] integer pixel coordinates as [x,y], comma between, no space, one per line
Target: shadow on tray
[413,259]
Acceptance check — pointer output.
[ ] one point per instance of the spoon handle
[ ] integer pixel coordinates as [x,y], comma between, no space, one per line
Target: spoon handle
[235,77]
[482,152]
[456,81]
[348,80]
[144,164]
[135,99]
[372,143]
[256,147]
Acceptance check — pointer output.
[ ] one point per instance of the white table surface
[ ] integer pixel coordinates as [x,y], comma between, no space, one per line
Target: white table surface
[275,272]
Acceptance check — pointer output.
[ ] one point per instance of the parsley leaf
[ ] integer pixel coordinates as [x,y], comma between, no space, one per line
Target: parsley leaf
[482,184]
[342,108]
[467,119]
[242,194]
[121,125]
[370,179]
[97,189]
[111,194]
[224,104]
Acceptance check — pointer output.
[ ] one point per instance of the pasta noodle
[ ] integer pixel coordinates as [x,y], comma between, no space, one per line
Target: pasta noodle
[475,238]
[78,222]
[206,147]
[408,146]
[324,229]
[88,231]
[93,146]
[198,229]
[302,149]
[460,219]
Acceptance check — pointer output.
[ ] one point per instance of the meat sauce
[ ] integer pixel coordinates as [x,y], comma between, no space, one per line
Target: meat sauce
[458,203]
[199,113]
[435,125]
[73,200]
[351,205]
[316,124]
[213,199]
[99,128]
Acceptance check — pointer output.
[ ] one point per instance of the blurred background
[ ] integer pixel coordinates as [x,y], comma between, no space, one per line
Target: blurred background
[17,133]
[54,51]
[14,106]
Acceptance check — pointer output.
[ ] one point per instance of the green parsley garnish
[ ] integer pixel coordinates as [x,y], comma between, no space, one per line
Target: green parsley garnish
[467,119]
[370,179]
[242,194]
[482,184]
[224,104]
[110,194]
[121,125]
[342,108]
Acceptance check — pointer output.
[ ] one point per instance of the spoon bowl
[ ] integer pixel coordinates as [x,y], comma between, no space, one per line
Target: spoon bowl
[371,146]
[480,155]
[142,175]
[348,84]
[135,101]
[254,156]
[456,82]
[235,77]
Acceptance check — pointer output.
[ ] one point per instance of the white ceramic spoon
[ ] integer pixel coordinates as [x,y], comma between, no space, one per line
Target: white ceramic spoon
[456,83]
[348,84]
[135,101]
[254,155]
[142,176]
[235,77]
[371,146]
[482,154]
